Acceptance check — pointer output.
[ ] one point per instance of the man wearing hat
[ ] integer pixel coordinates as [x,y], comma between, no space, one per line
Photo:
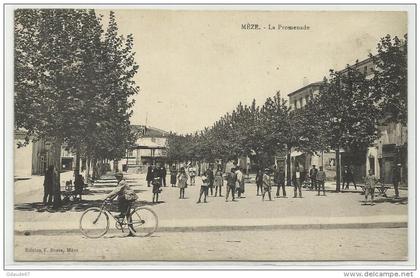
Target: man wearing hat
[125,195]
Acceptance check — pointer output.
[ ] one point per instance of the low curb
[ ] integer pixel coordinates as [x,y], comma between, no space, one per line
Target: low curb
[216,228]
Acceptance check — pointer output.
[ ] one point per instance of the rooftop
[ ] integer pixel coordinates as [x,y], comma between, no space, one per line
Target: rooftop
[315,84]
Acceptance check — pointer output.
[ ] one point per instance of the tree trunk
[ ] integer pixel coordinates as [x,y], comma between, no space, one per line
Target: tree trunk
[115,166]
[94,169]
[337,170]
[56,160]
[289,167]
[87,173]
[77,164]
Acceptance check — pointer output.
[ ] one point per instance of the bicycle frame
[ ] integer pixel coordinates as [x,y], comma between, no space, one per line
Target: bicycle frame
[103,208]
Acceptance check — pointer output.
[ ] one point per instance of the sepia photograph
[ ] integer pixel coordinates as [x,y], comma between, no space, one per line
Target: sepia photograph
[212,134]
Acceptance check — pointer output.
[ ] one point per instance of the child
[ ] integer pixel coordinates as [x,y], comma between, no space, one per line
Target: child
[259,181]
[156,188]
[182,182]
[266,184]
[203,189]
[370,181]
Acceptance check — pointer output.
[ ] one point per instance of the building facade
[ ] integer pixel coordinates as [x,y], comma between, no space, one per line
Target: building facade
[35,157]
[150,147]
[381,157]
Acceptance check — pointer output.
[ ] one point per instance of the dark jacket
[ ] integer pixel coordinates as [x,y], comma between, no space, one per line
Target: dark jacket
[313,172]
[149,176]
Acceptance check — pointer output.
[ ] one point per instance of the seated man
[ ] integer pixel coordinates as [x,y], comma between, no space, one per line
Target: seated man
[125,196]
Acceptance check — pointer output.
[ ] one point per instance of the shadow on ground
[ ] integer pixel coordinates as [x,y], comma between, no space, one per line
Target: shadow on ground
[397,201]
[93,191]
[75,206]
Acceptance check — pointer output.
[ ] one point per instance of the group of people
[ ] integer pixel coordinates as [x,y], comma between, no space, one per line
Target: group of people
[213,179]
[317,177]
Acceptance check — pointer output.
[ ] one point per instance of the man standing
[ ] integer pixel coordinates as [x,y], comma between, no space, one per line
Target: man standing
[149,175]
[396,179]
[351,178]
[231,181]
[48,185]
[279,176]
[163,174]
[210,177]
[312,176]
[296,183]
[320,179]
[240,181]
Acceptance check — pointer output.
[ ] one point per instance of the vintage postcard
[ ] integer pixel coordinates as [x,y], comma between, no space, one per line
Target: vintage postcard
[212,134]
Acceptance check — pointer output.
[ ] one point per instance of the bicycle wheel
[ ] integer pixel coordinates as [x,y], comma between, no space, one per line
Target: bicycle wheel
[143,222]
[94,223]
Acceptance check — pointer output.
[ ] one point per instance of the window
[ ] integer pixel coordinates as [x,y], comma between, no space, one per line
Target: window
[295,103]
[300,102]
[153,139]
[306,99]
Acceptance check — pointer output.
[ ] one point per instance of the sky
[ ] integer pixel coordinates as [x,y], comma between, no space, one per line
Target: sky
[195,66]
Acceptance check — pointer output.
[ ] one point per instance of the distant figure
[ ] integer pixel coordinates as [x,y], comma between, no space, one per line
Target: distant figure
[48,185]
[79,183]
[218,180]
[266,184]
[210,176]
[320,180]
[370,183]
[56,190]
[157,183]
[396,179]
[259,181]
[280,177]
[173,172]
[162,172]
[204,188]
[240,182]
[348,177]
[312,176]
[231,182]
[192,172]
[182,182]
[297,184]
[149,175]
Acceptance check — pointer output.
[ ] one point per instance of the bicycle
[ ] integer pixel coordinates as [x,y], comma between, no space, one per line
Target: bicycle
[141,221]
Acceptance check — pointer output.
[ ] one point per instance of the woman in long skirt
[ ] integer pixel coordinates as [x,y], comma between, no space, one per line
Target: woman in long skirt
[174,173]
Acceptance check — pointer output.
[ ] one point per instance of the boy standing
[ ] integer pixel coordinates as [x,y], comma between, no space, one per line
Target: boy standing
[370,182]
[266,184]
[203,189]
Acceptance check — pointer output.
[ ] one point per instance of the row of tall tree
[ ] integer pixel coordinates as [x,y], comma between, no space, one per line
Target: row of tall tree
[73,82]
[345,115]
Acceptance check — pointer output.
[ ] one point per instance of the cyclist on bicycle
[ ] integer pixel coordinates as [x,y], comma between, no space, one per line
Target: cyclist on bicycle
[125,196]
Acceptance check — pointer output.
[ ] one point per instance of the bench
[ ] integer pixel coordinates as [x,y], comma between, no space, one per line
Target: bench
[380,188]
[70,191]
